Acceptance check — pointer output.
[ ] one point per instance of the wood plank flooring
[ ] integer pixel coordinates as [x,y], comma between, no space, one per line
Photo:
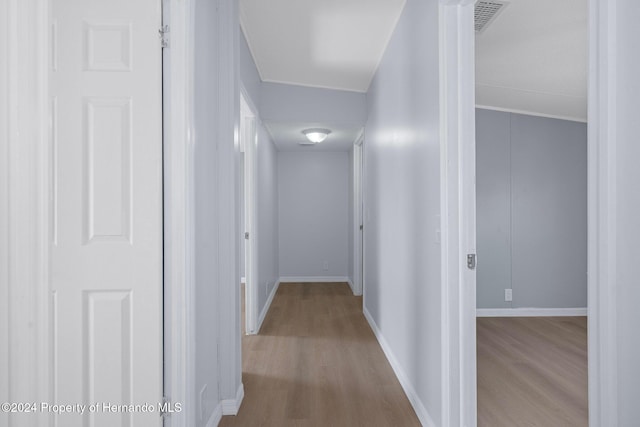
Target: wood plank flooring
[316,362]
[532,371]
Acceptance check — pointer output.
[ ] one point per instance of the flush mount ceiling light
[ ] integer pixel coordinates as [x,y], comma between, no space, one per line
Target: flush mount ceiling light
[316,135]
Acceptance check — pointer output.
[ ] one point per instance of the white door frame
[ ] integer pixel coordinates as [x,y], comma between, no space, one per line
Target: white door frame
[601,266]
[358,252]
[25,180]
[458,213]
[457,127]
[248,132]
[179,220]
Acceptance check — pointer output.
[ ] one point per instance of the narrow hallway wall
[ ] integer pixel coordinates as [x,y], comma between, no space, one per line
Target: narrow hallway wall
[402,297]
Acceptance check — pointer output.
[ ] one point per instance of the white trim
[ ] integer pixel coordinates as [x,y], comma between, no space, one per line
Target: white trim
[232,406]
[228,157]
[314,279]
[352,286]
[531,113]
[179,214]
[243,280]
[358,217]
[314,86]
[26,361]
[267,306]
[412,395]
[214,419]
[602,214]
[250,105]
[249,132]
[531,312]
[457,163]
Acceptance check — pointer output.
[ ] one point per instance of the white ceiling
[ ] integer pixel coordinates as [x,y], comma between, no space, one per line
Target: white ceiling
[533,58]
[334,44]
[288,135]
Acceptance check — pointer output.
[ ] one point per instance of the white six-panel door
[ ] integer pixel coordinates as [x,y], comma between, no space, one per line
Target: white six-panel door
[106,242]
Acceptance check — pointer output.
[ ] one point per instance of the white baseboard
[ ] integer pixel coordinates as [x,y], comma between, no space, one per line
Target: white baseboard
[267,305]
[216,417]
[530,312]
[314,279]
[231,406]
[351,285]
[421,411]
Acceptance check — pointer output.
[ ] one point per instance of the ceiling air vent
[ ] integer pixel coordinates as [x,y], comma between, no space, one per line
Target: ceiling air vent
[486,12]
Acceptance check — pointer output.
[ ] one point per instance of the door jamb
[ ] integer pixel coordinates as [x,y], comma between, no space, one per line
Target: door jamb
[249,132]
[179,238]
[457,201]
[602,214]
[358,217]
[25,205]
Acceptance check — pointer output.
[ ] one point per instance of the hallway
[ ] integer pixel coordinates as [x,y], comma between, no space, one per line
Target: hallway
[316,362]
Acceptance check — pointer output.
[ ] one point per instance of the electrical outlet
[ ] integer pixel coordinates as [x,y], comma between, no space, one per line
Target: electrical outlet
[325,266]
[508,294]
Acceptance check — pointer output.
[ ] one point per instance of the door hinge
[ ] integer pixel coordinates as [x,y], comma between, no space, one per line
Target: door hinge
[164,37]
[246,235]
[471,261]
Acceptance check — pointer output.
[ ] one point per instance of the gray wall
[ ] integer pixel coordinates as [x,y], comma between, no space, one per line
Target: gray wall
[402,202]
[290,103]
[313,206]
[531,211]
[267,211]
[627,205]
[249,76]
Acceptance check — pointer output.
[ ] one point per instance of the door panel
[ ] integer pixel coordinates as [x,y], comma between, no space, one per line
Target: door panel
[106,247]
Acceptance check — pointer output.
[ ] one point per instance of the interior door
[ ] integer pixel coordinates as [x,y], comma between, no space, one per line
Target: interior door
[106,247]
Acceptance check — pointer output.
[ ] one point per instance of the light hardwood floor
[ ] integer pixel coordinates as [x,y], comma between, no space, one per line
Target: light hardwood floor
[532,371]
[316,362]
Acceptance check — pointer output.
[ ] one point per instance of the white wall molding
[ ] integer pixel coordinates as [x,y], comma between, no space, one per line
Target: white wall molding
[411,393]
[530,113]
[352,286]
[531,312]
[267,306]
[215,418]
[602,216]
[457,204]
[232,406]
[314,279]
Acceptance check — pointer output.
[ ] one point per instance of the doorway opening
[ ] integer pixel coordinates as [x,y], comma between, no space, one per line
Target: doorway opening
[531,214]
